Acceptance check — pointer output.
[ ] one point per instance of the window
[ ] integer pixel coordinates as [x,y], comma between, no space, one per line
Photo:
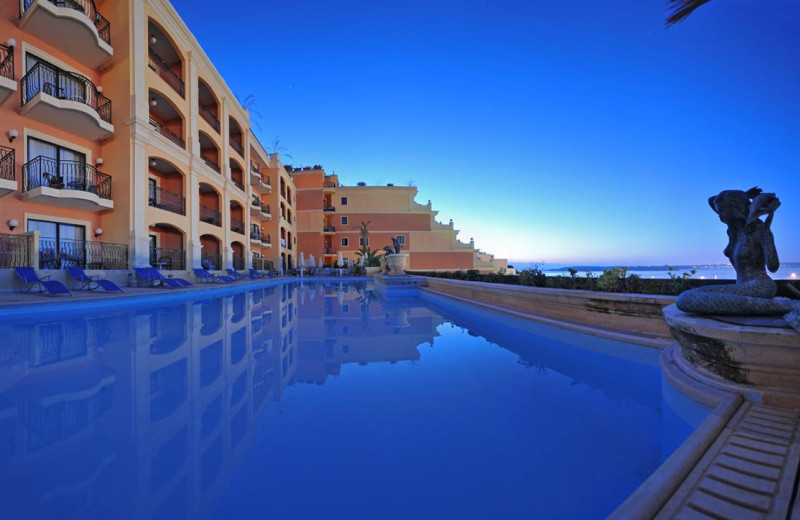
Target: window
[60,245]
[344,201]
[345,221]
[53,165]
[401,239]
[345,242]
[363,242]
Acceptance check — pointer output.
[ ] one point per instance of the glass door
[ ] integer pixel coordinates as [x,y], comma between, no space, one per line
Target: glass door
[60,245]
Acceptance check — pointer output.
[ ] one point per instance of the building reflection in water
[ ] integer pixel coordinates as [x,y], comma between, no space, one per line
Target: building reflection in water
[148,413]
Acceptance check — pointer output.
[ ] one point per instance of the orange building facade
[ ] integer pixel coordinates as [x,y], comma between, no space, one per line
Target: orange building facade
[330,217]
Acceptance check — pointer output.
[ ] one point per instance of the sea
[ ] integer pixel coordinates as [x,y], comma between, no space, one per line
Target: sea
[786,271]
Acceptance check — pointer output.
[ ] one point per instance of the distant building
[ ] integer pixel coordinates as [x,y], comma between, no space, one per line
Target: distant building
[329,217]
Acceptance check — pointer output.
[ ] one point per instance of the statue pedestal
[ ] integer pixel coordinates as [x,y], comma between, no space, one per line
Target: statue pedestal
[396,263]
[756,356]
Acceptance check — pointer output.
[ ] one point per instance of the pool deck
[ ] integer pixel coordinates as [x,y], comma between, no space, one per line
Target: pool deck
[742,465]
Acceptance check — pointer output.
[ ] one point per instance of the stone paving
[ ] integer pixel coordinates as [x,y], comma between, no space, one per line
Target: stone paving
[749,473]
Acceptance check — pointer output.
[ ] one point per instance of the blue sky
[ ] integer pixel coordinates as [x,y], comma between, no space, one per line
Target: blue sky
[575,131]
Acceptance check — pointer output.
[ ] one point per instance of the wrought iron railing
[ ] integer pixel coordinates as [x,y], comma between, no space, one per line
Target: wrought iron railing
[60,254]
[238,184]
[7,62]
[211,260]
[211,164]
[329,229]
[62,84]
[236,145]
[256,202]
[255,169]
[329,185]
[261,263]
[166,73]
[16,250]
[166,132]
[168,259]
[7,164]
[209,116]
[255,234]
[329,208]
[87,7]
[266,240]
[210,215]
[238,262]
[237,226]
[65,175]
[166,200]
[266,181]
[265,210]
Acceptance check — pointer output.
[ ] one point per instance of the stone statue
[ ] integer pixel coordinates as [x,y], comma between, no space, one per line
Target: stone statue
[751,248]
[395,249]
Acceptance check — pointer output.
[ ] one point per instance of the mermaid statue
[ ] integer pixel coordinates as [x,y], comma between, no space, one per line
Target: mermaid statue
[751,247]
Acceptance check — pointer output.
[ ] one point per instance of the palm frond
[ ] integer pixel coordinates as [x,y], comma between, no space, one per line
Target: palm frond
[681,9]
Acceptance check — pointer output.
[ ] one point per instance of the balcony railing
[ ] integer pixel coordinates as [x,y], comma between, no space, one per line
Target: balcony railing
[238,262]
[209,116]
[237,226]
[16,250]
[7,169]
[238,184]
[210,215]
[86,7]
[166,73]
[7,62]
[211,261]
[255,234]
[266,240]
[166,132]
[329,229]
[166,200]
[329,185]
[255,169]
[62,253]
[256,202]
[65,175]
[261,263]
[66,85]
[168,259]
[329,208]
[211,164]
[265,210]
[236,145]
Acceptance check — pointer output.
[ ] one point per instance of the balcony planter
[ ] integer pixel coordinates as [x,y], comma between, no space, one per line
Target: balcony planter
[396,263]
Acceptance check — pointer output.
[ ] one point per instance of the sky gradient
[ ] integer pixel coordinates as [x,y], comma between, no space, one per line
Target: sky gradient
[566,132]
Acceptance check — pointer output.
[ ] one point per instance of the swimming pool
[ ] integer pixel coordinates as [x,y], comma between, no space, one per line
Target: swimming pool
[323,400]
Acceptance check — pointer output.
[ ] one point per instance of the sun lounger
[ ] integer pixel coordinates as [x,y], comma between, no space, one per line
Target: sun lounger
[257,274]
[29,276]
[87,281]
[236,275]
[203,276]
[172,282]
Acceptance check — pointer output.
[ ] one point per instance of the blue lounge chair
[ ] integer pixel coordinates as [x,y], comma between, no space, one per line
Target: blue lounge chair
[203,276]
[29,276]
[256,273]
[87,281]
[237,275]
[172,282]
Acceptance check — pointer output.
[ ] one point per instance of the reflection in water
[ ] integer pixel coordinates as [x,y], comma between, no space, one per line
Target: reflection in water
[152,413]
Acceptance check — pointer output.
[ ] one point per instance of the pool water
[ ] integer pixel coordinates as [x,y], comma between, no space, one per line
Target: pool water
[323,400]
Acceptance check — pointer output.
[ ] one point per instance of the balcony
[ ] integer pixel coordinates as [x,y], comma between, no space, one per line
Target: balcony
[68,184]
[168,259]
[255,207]
[166,200]
[73,26]
[266,241]
[210,216]
[237,226]
[63,253]
[211,164]
[8,168]
[262,186]
[206,114]
[7,83]
[328,208]
[66,100]
[160,67]
[255,173]
[159,127]
[328,230]
[236,145]
[329,187]
[266,212]
[255,237]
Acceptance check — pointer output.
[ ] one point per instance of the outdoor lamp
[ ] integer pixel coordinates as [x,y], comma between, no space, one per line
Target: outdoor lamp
[11,43]
[12,134]
[13,223]
[153,102]
[153,40]
[98,232]
[98,161]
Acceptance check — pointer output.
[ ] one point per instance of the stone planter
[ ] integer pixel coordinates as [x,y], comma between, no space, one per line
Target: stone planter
[372,270]
[396,263]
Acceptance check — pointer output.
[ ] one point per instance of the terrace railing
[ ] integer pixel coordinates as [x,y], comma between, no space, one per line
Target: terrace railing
[211,261]
[62,84]
[166,132]
[210,215]
[236,145]
[7,164]
[86,7]
[168,259]
[237,226]
[211,164]
[16,250]
[238,262]
[329,208]
[266,239]
[209,116]
[62,253]
[238,184]
[166,73]
[166,200]
[7,62]
[65,175]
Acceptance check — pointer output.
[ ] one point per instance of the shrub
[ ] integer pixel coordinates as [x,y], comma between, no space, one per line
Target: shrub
[533,276]
[610,279]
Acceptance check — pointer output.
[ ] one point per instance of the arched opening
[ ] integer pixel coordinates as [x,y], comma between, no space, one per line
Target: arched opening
[209,152]
[167,247]
[209,205]
[165,186]
[164,57]
[165,118]
[211,256]
[283,263]
[235,136]
[237,217]
[238,255]
[237,174]
[207,104]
